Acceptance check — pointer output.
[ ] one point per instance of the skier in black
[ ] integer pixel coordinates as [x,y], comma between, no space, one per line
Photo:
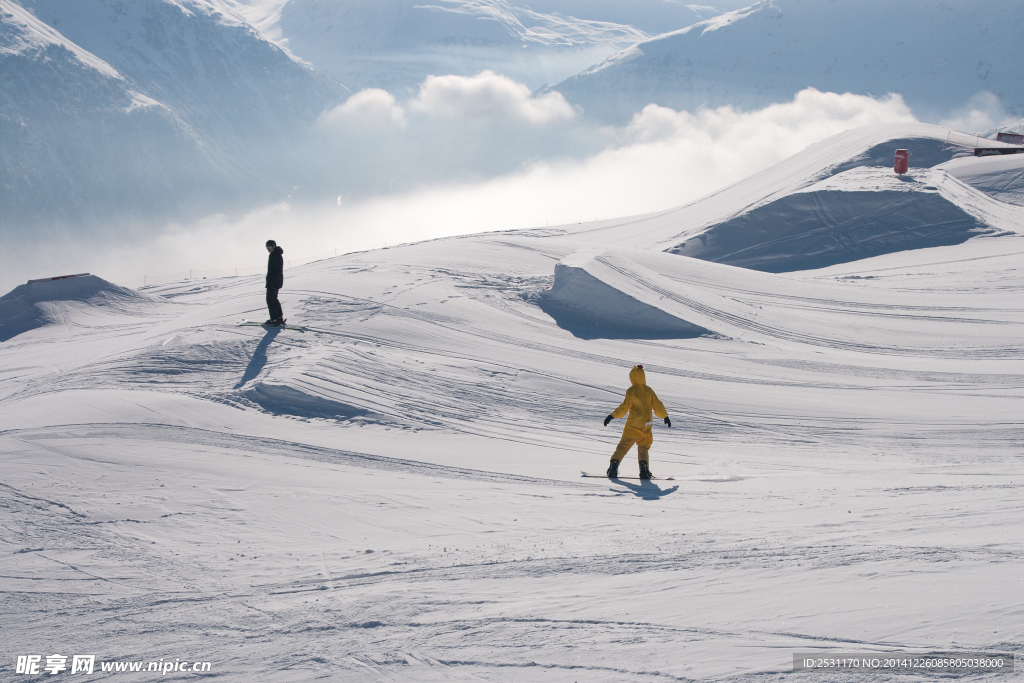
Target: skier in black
[275,280]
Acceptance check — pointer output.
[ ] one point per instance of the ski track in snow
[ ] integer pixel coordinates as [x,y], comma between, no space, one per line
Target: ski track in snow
[394,494]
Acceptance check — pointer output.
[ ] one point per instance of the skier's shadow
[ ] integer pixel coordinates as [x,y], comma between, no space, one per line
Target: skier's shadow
[647,489]
[259,357]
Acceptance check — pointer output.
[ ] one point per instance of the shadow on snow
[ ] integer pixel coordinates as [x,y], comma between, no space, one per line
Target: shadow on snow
[647,489]
[259,357]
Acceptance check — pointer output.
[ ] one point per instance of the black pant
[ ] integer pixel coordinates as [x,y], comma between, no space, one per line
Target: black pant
[273,305]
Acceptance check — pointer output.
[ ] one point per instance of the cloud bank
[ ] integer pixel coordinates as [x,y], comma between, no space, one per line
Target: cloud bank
[372,107]
[487,97]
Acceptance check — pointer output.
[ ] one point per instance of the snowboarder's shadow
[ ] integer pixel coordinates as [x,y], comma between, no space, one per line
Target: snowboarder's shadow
[259,357]
[647,489]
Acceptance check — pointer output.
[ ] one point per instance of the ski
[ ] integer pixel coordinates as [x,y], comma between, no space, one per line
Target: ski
[253,323]
[605,476]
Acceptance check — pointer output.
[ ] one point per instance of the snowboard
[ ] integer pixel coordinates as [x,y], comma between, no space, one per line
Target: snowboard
[253,323]
[605,476]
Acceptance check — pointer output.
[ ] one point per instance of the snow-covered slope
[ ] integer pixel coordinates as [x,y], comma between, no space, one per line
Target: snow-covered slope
[114,112]
[193,56]
[937,55]
[395,493]
[395,44]
[24,33]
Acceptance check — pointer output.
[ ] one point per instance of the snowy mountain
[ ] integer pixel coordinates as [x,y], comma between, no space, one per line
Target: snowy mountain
[79,139]
[395,493]
[115,112]
[395,44]
[936,55]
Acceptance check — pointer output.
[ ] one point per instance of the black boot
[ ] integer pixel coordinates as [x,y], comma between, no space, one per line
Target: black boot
[645,472]
[613,469]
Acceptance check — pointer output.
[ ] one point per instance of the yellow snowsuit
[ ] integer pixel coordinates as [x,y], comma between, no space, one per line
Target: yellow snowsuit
[640,401]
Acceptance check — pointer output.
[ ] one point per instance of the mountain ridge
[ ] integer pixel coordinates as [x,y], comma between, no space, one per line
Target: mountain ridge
[154,110]
[936,56]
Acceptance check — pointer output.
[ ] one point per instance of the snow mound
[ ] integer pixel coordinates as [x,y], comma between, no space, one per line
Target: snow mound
[595,296]
[36,304]
[284,400]
[1001,177]
[857,214]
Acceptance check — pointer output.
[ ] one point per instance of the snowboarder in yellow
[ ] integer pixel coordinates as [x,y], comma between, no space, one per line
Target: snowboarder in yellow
[639,403]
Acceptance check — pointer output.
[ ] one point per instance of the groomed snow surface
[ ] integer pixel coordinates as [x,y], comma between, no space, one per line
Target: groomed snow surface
[394,494]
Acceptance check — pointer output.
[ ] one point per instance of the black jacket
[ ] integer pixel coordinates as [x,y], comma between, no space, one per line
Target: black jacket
[275,269]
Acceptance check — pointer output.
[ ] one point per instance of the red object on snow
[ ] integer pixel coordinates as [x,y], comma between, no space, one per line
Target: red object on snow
[902,161]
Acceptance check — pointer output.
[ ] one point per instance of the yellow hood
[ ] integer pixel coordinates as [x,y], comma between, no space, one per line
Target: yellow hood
[639,403]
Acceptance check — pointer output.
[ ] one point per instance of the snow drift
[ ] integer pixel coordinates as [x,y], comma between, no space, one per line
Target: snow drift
[857,214]
[280,399]
[587,300]
[1000,177]
[33,305]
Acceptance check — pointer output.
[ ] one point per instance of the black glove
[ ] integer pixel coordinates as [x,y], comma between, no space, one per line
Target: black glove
[607,420]
[668,422]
